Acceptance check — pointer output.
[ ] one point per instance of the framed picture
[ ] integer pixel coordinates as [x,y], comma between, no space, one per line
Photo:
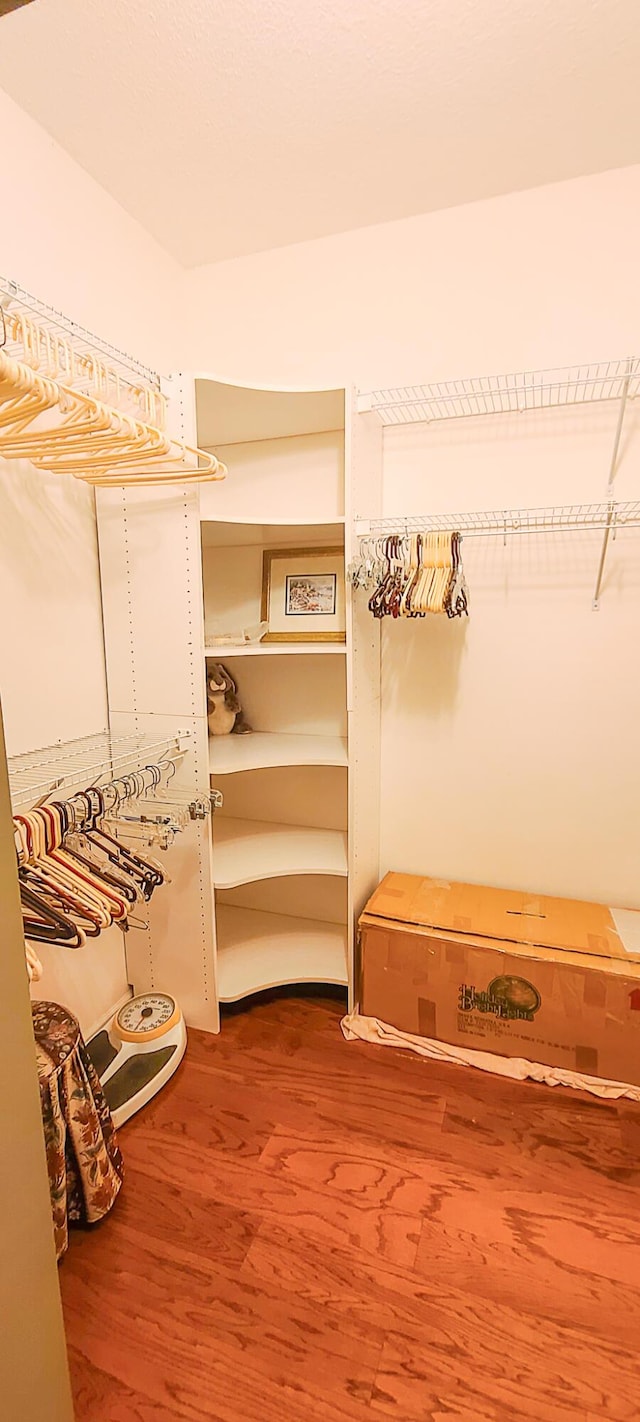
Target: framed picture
[303,594]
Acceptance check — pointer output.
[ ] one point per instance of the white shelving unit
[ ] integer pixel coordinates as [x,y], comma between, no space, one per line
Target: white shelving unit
[258,950]
[290,460]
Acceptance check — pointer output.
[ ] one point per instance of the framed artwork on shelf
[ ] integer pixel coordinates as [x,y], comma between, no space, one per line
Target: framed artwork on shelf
[303,598]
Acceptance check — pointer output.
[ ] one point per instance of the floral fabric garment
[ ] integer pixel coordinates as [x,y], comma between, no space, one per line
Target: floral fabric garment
[83,1156]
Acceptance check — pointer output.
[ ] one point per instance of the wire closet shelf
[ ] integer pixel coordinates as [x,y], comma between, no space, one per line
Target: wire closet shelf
[86,346]
[76,404]
[557,518]
[504,394]
[90,760]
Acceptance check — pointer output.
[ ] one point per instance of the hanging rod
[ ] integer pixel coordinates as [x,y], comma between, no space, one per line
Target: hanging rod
[558,518]
[504,394]
[69,765]
[83,341]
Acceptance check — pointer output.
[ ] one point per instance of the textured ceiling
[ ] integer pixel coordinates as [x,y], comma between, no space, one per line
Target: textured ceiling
[230,126]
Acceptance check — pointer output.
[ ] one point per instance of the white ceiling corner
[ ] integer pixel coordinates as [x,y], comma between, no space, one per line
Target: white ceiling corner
[240,125]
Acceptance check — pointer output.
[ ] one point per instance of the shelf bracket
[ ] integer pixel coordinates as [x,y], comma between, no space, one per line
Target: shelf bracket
[611,515]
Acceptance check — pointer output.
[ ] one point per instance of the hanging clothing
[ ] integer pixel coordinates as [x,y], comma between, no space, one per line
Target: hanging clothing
[83,1156]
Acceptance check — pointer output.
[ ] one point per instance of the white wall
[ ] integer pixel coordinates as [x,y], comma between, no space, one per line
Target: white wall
[536,278]
[65,240]
[509,751]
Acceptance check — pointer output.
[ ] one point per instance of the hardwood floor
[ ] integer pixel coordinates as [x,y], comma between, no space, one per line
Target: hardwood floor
[315,1230]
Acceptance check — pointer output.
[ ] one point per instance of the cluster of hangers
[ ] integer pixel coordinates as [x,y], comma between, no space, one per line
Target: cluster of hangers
[410,575]
[60,411]
[77,869]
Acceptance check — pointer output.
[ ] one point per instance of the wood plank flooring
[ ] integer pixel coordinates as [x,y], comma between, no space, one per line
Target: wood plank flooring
[311,1229]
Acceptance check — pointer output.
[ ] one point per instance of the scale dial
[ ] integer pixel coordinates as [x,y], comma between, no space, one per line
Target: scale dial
[146,1017]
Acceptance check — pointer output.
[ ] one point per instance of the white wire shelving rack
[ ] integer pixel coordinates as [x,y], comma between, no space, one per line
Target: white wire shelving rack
[83,341]
[557,388]
[69,766]
[504,394]
[557,518]
[129,379]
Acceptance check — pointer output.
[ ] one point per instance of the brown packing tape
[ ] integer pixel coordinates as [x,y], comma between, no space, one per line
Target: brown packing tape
[410,954]
[455,953]
[595,990]
[461,923]
[598,944]
[587,1061]
[568,990]
[376,942]
[517,967]
[427,1025]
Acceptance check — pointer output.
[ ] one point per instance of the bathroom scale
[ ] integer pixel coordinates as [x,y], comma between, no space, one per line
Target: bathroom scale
[138,1051]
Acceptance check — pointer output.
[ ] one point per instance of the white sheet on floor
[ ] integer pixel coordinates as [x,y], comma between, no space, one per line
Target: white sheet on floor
[370,1029]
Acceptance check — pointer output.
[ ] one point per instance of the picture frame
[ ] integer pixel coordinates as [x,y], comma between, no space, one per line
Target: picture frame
[303,594]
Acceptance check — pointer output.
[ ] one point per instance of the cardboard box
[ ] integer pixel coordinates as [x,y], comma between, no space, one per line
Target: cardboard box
[552,980]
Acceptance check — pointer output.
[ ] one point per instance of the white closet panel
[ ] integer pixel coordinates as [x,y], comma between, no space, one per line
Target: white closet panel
[52,679]
[154,632]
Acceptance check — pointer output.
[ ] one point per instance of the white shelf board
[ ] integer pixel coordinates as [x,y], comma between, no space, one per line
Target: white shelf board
[276,649]
[233,414]
[330,521]
[258,950]
[261,750]
[246,850]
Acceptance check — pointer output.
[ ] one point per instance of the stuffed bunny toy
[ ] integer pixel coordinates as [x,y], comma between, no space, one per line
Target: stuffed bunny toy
[224,709]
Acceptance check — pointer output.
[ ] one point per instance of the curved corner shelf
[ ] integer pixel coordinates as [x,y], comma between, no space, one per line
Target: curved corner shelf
[254,521]
[276,649]
[261,750]
[258,950]
[246,850]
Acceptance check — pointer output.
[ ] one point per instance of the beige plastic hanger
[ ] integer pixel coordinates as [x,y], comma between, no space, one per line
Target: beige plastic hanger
[77,432]
[412,575]
[436,586]
[420,600]
[87,438]
[23,396]
[211,470]
[74,416]
[51,354]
